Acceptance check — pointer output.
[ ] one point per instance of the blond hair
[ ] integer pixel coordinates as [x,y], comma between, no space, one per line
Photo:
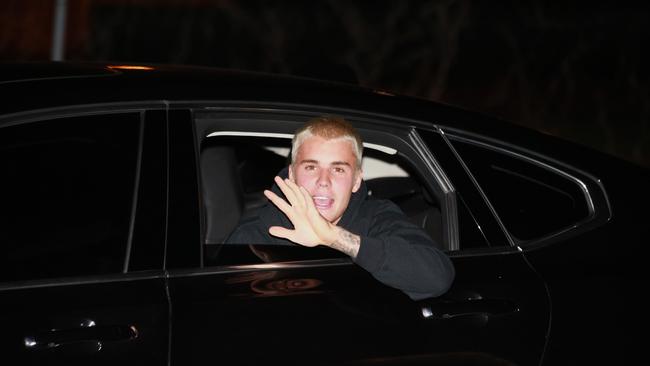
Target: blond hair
[329,128]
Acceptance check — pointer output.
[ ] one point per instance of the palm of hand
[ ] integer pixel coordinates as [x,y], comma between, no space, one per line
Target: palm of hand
[310,228]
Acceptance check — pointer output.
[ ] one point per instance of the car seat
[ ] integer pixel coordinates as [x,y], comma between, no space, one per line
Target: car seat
[413,200]
[222,193]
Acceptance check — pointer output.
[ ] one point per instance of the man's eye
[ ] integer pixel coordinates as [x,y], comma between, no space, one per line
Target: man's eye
[339,170]
[310,167]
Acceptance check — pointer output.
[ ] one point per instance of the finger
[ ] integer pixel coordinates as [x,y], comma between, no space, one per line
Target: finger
[311,207]
[287,190]
[280,203]
[309,201]
[298,191]
[281,232]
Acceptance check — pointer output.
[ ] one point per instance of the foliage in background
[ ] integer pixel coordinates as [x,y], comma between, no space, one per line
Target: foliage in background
[572,71]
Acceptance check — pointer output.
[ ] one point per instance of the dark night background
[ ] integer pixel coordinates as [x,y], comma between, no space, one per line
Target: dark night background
[577,70]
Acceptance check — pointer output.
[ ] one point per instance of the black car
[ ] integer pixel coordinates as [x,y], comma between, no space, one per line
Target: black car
[121,182]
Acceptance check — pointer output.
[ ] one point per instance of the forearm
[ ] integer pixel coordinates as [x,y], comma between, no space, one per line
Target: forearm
[346,242]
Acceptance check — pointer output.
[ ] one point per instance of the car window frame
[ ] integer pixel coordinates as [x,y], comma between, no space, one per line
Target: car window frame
[592,187]
[294,116]
[48,114]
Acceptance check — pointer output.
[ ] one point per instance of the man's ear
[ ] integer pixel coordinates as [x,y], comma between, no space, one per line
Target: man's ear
[291,173]
[357,182]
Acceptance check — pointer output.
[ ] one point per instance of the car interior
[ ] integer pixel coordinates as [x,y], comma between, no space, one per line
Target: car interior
[235,170]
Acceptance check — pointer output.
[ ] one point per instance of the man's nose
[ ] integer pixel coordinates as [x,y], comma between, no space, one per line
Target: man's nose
[324,178]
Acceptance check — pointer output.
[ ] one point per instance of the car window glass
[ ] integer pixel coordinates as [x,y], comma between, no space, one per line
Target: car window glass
[66,193]
[236,170]
[531,200]
[471,235]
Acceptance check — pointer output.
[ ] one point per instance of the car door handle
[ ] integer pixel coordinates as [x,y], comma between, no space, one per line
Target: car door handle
[447,309]
[86,333]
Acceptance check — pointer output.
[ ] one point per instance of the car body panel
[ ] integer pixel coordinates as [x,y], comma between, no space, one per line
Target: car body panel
[314,313]
[91,322]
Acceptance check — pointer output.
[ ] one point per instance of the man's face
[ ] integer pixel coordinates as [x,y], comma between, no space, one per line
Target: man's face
[327,169]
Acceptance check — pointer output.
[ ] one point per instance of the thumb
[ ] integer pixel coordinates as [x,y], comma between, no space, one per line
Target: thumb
[281,232]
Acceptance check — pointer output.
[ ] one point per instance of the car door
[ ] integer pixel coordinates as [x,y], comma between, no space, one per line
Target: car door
[82,236]
[559,216]
[295,305]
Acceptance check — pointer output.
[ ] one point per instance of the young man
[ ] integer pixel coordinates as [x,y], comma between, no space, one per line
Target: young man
[325,203]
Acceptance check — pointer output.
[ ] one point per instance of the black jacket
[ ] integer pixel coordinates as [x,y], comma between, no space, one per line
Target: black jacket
[395,251]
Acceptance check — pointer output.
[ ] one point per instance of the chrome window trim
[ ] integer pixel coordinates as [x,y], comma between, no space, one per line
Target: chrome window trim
[36,115]
[237,268]
[505,231]
[80,280]
[289,136]
[136,190]
[450,193]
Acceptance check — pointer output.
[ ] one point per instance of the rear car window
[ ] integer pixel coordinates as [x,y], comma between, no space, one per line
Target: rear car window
[533,200]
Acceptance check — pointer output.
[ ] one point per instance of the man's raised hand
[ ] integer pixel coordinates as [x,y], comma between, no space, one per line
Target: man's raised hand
[309,227]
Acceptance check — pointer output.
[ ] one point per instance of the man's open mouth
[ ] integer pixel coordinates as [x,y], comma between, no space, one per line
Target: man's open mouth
[323,202]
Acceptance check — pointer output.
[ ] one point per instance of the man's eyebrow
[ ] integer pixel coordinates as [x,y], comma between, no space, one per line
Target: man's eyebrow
[340,163]
[308,161]
[314,161]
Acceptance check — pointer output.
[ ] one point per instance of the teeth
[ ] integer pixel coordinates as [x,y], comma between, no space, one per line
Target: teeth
[322,201]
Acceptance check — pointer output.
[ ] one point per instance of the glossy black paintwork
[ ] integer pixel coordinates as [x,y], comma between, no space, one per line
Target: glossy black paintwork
[129,317]
[177,83]
[33,90]
[320,315]
[575,299]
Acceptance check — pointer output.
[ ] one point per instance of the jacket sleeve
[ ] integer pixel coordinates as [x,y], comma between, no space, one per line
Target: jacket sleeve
[401,255]
[250,232]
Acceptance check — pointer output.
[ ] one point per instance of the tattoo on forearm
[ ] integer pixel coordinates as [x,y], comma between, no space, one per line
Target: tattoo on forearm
[347,243]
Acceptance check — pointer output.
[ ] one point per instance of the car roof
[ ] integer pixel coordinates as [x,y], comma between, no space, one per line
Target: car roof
[43,86]
[69,83]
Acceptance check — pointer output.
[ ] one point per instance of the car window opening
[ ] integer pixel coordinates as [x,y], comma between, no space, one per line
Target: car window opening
[237,166]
